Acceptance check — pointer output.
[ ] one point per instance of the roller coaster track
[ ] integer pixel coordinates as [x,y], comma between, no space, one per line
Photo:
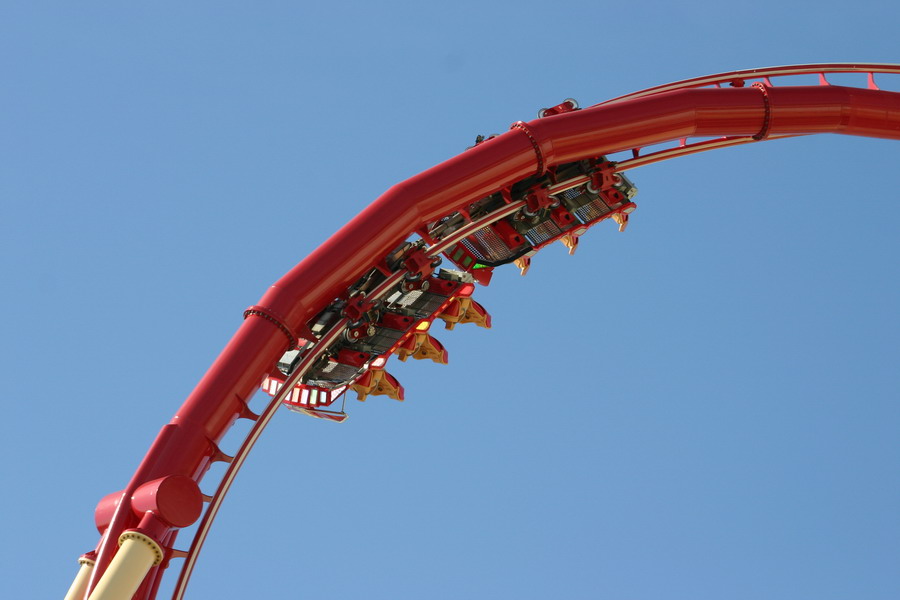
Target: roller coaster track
[374,288]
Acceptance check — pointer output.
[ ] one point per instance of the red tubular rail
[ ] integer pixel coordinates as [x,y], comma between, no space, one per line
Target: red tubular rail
[188,444]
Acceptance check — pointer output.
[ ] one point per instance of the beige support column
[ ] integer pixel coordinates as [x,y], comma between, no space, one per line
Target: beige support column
[137,553]
[79,586]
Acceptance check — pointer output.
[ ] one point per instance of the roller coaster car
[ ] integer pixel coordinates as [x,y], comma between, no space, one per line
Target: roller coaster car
[561,205]
[398,324]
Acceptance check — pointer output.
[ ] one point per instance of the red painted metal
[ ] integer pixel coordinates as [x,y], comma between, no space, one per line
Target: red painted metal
[766,74]
[187,446]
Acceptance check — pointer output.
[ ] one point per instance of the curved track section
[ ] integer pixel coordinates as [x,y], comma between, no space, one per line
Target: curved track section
[374,288]
[762,78]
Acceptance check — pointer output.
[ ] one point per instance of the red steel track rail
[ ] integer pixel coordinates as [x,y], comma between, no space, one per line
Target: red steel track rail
[727,109]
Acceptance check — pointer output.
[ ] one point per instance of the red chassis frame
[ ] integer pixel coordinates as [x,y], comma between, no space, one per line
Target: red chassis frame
[163,494]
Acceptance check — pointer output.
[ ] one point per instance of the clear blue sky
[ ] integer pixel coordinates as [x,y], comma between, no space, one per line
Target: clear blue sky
[705,406]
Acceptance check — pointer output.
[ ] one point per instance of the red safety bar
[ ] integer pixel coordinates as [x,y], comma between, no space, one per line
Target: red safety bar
[733,110]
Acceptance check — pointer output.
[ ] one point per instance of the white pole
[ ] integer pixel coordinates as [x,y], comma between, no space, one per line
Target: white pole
[79,586]
[125,573]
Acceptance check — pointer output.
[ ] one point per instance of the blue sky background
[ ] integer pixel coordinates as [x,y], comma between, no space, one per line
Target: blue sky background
[705,406]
